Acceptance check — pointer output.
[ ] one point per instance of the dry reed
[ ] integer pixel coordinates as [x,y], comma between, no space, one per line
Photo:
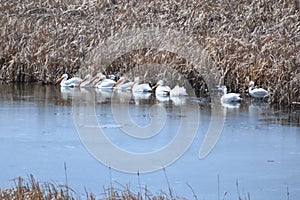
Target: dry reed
[33,189]
[248,40]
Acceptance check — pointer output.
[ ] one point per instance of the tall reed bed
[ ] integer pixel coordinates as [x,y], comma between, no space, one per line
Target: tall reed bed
[249,40]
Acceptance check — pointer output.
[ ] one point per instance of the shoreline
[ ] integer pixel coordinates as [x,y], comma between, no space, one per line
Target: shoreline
[246,41]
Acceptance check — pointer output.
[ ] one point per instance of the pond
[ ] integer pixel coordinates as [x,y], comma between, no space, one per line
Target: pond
[43,129]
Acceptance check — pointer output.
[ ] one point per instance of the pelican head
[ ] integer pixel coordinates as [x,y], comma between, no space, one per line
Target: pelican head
[63,77]
[159,83]
[121,80]
[96,79]
[102,76]
[112,77]
[222,88]
[251,84]
[136,81]
[87,78]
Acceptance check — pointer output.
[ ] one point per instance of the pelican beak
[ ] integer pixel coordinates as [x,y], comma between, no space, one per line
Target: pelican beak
[131,88]
[116,83]
[155,86]
[82,81]
[92,81]
[59,80]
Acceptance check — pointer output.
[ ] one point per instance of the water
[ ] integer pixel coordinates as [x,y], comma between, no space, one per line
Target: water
[258,151]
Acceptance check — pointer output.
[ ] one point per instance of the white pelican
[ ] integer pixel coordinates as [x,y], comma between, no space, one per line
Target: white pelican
[178,91]
[257,92]
[72,82]
[136,87]
[105,83]
[96,79]
[121,85]
[161,89]
[86,81]
[229,97]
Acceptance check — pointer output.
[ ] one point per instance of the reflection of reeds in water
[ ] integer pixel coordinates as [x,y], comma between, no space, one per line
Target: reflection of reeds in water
[249,40]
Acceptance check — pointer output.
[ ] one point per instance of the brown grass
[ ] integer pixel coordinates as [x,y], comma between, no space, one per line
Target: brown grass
[34,190]
[252,40]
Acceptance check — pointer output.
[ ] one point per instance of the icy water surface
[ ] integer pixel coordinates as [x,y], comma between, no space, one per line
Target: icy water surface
[259,147]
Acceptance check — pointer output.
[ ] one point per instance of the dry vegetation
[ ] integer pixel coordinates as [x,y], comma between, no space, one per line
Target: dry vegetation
[255,39]
[34,190]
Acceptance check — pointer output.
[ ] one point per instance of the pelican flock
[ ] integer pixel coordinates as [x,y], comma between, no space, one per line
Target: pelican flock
[161,91]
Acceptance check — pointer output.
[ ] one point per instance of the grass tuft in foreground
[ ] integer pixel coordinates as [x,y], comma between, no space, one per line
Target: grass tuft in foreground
[33,190]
